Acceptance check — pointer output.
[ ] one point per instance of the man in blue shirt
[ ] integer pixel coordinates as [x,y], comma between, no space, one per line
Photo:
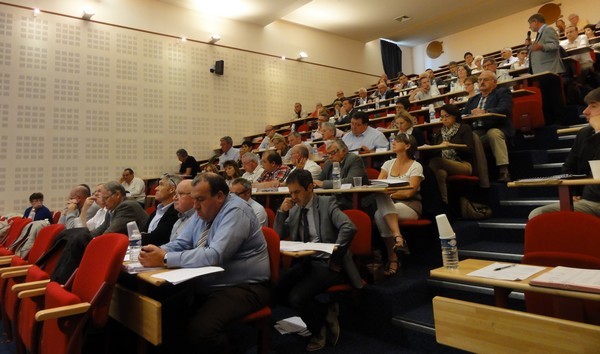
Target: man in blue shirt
[225,233]
[362,137]
[37,206]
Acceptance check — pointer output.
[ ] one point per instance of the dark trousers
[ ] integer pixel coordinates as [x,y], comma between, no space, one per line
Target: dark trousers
[216,308]
[299,287]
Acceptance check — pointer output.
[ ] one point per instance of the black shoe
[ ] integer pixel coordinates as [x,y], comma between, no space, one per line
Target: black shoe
[504,177]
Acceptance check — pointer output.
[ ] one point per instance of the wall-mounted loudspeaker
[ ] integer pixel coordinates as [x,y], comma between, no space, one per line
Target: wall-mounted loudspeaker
[219,67]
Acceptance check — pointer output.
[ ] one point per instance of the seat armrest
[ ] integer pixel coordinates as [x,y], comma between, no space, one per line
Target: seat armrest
[11,272]
[18,288]
[62,311]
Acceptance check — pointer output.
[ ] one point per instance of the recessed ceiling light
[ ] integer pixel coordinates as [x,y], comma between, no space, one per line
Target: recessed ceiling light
[403,18]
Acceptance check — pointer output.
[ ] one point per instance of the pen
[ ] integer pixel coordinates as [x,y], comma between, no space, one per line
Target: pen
[505,267]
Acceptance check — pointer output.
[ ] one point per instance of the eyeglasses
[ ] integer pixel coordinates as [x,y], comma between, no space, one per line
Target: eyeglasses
[170,178]
[242,192]
[268,130]
[445,116]
[483,79]
[104,198]
[333,152]
[179,195]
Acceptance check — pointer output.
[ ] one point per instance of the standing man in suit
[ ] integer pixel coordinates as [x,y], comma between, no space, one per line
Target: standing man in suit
[308,217]
[544,55]
[493,131]
[157,229]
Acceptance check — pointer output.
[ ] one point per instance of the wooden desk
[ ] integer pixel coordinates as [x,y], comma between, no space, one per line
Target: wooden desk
[474,117]
[570,130]
[502,288]
[564,192]
[579,50]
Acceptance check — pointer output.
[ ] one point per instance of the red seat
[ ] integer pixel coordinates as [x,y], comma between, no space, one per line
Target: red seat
[372,173]
[532,107]
[150,210]
[56,216]
[567,239]
[302,128]
[17,224]
[270,216]
[83,301]
[262,318]
[414,223]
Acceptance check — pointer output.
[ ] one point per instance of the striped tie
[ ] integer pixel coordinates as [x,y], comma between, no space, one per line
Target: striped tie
[204,236]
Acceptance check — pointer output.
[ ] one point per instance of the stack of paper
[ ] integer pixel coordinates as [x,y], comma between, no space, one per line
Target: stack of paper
[296,246]
[180,275]
[137,267]
[389,182]
[292,325]
[570,279]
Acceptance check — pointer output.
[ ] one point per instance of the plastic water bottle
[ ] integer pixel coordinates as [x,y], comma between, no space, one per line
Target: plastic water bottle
[315,152]
[376,102]
[392,138]
[431,113]
[448,242]
[335,176]
[293,127]
[32,214]
[135,241]
[332,119]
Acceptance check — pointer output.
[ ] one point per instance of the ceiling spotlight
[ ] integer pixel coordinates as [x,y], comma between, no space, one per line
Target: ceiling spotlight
[88,12]
[283,57]
[214,38]
[302,55]
[36,12]
[183,39]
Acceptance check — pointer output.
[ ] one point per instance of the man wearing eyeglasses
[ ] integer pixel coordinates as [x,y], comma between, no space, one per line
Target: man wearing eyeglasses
[251,164]
[493,131]
[157,229]
[184,204]
[70,216]
[243,189]
[501,74]
[270,132]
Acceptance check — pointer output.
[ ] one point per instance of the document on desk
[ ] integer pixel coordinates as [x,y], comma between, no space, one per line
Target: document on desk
[137,267]
[506,271]
[571,279]
[182,274]
[296,246]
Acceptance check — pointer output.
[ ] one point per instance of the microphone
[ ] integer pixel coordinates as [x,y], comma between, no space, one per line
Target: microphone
[529,35]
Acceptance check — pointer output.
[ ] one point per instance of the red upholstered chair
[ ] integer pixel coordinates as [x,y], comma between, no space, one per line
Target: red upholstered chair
[532,107]
[302,128]
[84,300]
[16,272]
[567,239]
[56,216]
[150,210]
[17,225]
[372,173]
[262,318]
[270,216]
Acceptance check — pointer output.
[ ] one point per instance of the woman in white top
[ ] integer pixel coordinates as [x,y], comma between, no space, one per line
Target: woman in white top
[463,72]
[402,204]
[478,64]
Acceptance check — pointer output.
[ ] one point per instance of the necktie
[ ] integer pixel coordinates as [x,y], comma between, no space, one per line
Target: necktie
[305,233]
[204,236]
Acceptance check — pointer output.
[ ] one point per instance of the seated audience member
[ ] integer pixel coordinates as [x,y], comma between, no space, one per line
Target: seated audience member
[425,90]
[452,161]
[184,204]
[560,26]
[280,145]
[70,216]
[575,20]
[308,217]
[507,57]
[432,80]
[339,95]
[318,108]
[40,212]
[469,60]
[189,165]
[362,137]
[470,86]
[404,123]
[585,148]
[270,133]
[223,233]
[463,71]
[100,215]
[229,152]
[493,131]
[590,32]
[403,204]
[362,98]
[275,172]
[318,134]
[297,114]
[232,171]
[403,82]
[243,189]
[246,147]
[501,74]
[211,167]
[575,40]
[348,108]
[119,212]
[382,79]
[402,106]
[382,93]
[522,60]
[478,62]
[134,186]
[328,134]
[293,139]
[452,66]
[253,169]
[300,161]
[351,166]
[157,229]
[337,107]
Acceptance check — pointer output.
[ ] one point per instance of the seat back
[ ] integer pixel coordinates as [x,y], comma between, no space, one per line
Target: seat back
[17,225]
[56,216]
[361,243]
[273,240]
[270,216]
[43,241]
[527,110]
[372,173]
[567,239]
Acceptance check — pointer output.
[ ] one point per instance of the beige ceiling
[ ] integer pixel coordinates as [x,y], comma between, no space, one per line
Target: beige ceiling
[366,20]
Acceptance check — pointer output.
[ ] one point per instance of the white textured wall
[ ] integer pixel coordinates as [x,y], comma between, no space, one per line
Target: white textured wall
[80,101]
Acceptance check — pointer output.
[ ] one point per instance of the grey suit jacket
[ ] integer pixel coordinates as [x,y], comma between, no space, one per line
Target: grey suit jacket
[126,211]
[332,225]
[351,166]
[547,59]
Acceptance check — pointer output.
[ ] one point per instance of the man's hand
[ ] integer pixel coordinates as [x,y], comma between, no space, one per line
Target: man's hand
[536,47]
[286,205]
[364,150]
[477,111]
[318,183]
[88,202]
[71,205]
[151,256]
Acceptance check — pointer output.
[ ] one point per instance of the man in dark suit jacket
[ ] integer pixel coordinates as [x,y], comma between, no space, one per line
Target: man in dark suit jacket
[348,105]
[382,92]
[493,131]
[157,229]
[312,218]
[351,166]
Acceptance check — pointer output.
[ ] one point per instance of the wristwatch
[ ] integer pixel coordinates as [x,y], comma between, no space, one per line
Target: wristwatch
[165,259]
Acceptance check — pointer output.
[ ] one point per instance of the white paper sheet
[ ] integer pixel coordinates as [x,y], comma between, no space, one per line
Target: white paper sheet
[292,325]
[180,275]
[506,271]
[295,246]
[137,267]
